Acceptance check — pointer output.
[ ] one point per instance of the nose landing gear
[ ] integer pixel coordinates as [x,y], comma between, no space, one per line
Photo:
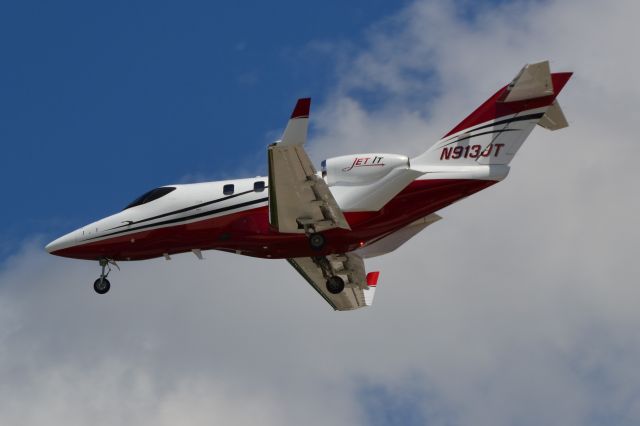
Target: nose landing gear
[102,284]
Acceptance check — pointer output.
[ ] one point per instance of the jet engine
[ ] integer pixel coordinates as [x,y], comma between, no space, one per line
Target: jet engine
[361,169]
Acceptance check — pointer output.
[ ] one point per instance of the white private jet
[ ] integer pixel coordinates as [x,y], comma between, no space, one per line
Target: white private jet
[326,223]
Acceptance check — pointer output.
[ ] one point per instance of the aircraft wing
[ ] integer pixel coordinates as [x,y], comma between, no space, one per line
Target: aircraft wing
[359,287]
[299,199]
[390,242]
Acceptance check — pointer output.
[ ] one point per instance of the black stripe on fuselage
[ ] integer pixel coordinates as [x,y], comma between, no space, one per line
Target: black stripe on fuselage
[480,134]
[537,115]
[184,219]
[185,209]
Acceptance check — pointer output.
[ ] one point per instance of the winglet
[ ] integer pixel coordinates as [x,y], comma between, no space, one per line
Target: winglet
[372,278]
[296,131]
[370,292]
[302,108]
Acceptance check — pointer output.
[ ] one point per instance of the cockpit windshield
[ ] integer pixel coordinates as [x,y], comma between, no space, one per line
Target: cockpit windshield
[154,194]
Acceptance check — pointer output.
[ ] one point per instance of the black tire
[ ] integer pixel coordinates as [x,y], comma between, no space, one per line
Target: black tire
[101,285]
[316,241]
[335,285]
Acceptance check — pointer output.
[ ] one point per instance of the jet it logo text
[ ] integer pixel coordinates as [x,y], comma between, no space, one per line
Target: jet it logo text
[364,162]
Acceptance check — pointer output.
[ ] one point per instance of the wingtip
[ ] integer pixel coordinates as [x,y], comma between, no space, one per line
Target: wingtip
[372,278]
[302,108]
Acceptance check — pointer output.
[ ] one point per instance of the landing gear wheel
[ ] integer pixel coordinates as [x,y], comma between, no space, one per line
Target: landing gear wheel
[335,285]
[101,285]
[316,241]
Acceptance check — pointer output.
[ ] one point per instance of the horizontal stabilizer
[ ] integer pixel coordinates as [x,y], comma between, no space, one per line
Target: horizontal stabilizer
[554,118]
[533,81]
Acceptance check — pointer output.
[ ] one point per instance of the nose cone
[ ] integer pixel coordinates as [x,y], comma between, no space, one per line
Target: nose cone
[61,243]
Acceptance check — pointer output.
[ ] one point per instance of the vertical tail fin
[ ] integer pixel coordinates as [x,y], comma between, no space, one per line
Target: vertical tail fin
[493,133]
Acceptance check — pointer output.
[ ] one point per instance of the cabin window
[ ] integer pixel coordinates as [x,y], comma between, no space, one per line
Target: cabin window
[228,189]
[152,195]
[258,186]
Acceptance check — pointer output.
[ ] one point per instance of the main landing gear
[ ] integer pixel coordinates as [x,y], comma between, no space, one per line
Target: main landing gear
[335,284]
[316,241]
[102,284]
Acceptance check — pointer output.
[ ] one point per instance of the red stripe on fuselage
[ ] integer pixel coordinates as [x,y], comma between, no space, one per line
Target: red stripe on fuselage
[248,232]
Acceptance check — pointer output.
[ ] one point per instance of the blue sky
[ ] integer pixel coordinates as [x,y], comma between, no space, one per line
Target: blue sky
[99,104]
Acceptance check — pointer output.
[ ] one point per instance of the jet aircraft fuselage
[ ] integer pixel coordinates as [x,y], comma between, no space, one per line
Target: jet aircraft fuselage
[202,217]
[327,222]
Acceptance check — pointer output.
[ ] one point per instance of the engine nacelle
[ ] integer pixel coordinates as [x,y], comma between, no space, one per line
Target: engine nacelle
[361,169]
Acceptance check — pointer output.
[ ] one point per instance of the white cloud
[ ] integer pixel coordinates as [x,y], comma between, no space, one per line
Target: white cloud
[531,285]
[518,308]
